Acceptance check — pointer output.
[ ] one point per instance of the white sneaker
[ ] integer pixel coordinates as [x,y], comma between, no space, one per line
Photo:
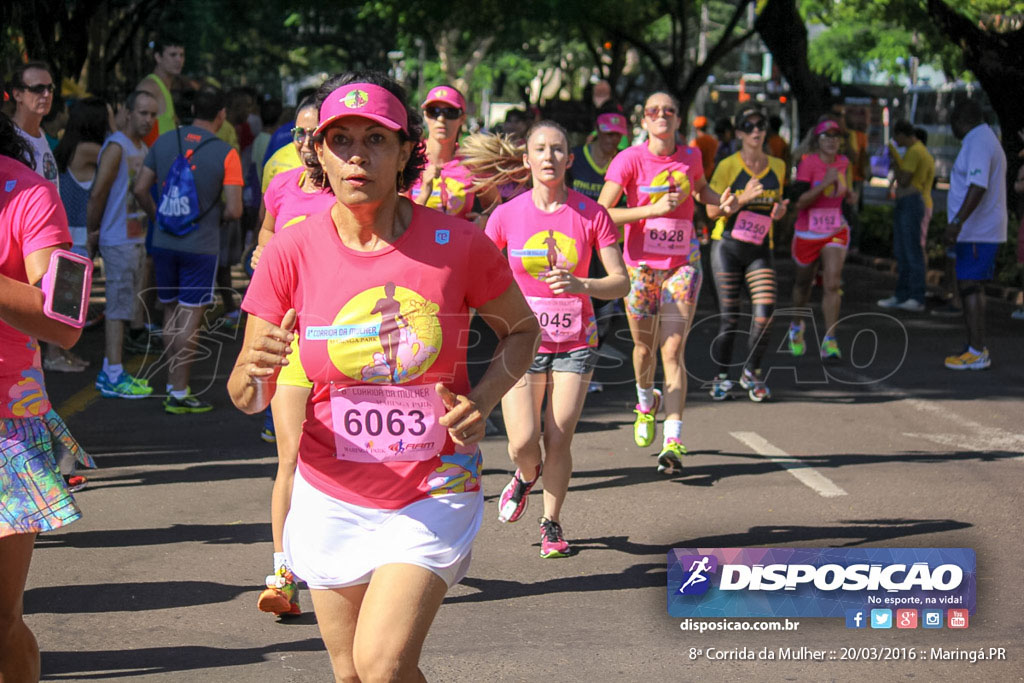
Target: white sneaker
[912,305]
[891,302]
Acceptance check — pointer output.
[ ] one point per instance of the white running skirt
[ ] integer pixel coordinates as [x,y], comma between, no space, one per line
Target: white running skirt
[333,544]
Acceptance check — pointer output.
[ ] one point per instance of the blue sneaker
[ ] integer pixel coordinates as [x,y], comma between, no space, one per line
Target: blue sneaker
[126,386]
[268,434]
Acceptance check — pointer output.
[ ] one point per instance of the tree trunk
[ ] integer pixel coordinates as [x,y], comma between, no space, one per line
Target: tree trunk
[783,31]
[997,61]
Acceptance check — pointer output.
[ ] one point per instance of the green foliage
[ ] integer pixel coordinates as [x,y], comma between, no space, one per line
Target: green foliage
[868,35]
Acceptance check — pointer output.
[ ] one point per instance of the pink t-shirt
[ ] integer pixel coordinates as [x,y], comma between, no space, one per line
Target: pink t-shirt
[536,241]
[288,203]
[824,217]
[398,316]
[645,178]
[31,218]
[453,196]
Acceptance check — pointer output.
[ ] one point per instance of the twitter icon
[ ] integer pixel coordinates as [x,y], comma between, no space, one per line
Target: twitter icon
[881,618]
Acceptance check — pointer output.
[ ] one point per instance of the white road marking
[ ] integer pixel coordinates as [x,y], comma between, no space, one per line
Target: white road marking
[806,474]
[980,438]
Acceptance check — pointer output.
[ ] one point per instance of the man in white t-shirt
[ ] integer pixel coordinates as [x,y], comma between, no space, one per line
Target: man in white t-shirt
[976,207]
[32,89]
[117,225]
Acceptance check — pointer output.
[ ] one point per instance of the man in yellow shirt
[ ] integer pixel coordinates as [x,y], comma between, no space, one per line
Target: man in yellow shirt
[915,174]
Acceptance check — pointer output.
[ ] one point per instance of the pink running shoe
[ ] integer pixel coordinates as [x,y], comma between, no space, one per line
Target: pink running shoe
[552,542]
[515,496]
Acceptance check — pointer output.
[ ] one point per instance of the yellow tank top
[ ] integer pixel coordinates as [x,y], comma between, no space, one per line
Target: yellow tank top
[165,121]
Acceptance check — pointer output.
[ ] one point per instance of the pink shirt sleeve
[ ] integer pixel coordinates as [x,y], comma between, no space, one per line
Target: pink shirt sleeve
[272,288]
[805,171]
[620,170]
[488,268]
[495,230]
[44,223]
[605,233]
[272,197]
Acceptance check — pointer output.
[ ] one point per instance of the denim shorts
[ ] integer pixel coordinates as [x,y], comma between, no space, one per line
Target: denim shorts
[577,361]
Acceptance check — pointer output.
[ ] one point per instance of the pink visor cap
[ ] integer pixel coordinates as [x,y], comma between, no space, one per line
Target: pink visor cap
[826,126]
[612,123]
[446,94]
[367,101]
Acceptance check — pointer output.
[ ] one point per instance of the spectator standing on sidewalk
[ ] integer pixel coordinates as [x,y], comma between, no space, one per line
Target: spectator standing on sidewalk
[186,265]
[117,226]
[976,207]
[169,58]
[706,143]
[1018,187]
[915,173]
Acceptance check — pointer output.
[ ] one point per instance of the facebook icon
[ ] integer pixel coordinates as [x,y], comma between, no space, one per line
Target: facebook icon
[856,618]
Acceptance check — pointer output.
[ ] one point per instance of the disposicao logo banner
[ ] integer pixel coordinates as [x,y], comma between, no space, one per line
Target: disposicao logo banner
[816,582]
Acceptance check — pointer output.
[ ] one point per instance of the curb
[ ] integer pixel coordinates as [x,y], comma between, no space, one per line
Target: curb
[933,277]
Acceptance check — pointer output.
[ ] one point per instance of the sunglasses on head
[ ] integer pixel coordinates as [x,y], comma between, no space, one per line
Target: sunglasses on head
[39,88]
[450,113]
[750,126]
[300,134]
[652,112]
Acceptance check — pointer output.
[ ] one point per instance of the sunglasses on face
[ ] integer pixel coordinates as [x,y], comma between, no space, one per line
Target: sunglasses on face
[834,135]
[652,112]
[450,113]
[750,126]
[39,88]
[299,135]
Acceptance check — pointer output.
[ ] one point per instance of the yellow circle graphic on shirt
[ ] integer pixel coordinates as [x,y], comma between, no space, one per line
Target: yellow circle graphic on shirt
[385,335]
[668,181]
[545,250]
[448,196]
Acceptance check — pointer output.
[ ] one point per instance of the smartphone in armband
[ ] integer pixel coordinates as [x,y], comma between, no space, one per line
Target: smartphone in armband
[66,286]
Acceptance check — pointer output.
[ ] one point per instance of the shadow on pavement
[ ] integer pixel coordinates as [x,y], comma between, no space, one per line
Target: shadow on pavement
[112,664]
[128,597]
[708,475]
[650,575]
[190,475]
[217,534]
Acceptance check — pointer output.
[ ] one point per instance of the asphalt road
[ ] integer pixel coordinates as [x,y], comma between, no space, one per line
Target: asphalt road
[159,581]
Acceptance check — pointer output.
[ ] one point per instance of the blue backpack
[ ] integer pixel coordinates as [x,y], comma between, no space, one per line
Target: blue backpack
[178,211]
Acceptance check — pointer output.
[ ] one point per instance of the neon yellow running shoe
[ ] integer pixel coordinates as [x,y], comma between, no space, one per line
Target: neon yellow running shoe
[670,459]
[830,349]
[646,422]
[796,339]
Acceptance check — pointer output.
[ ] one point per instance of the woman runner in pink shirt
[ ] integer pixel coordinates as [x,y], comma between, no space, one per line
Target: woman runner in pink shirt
[290,198]
[549,234]
[387,498]
[33,439]
[661,180]
[821,234]
[445,183]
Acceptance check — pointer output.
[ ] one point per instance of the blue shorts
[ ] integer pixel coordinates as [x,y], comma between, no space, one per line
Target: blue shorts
[976,260]
[183,277]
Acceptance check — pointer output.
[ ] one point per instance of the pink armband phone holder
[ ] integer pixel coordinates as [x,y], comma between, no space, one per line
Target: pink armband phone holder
[66,286]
